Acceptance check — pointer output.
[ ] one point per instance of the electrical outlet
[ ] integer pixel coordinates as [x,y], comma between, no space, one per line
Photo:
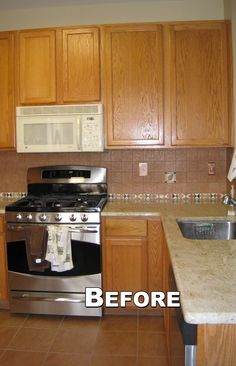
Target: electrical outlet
[170,177]
[143,169]
[211,168]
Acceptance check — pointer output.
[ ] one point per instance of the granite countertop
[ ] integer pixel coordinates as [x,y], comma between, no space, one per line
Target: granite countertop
[205,270]
[4,202]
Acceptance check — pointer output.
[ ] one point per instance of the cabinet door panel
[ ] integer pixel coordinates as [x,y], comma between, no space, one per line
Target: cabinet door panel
[37,67]
[80,65]
[124,227]
[155,254]
[126,264]
[133,76]
[199,84]
[7,113]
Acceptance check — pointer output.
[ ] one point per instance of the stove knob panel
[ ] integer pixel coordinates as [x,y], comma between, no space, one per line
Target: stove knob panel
[58,217]
[72,217]
[84,218]
[43,217]
[18,217]
[29,217]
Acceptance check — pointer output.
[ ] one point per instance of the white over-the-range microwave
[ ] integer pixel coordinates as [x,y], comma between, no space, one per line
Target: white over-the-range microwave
[60,128]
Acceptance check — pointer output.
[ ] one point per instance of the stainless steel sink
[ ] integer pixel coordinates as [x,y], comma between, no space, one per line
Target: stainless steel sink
[208,229]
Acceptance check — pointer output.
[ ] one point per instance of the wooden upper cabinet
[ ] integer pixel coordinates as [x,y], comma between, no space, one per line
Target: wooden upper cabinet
[200,91]
[133,84]
[7,104]
[59,66]
[37,66]
[80,65]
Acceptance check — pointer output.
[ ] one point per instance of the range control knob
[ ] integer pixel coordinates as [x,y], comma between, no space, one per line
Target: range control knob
[18,217]
[72,217]
[84,218]
[58,217]
[29,217]
[43,217]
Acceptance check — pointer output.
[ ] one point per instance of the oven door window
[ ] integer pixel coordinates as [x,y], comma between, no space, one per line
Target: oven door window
[85,256]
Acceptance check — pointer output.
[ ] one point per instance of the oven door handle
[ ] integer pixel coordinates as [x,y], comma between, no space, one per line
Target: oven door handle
[83,231]
[15,227]
[80,298]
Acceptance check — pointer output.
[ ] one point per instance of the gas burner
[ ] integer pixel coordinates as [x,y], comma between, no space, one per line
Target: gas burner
[52,200]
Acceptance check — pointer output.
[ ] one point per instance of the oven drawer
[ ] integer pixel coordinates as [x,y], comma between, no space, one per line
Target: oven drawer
[51,303]
[125,227]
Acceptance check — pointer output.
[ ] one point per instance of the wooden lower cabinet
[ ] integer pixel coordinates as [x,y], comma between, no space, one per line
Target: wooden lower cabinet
[3,266]
[216,345]
[132,254]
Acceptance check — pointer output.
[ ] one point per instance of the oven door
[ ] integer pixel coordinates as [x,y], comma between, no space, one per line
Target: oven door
[49,291]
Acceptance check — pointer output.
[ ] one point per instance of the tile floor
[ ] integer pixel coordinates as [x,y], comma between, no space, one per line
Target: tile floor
[36,340]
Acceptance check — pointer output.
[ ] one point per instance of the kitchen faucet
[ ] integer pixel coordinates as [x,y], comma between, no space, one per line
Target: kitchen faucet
[228,200]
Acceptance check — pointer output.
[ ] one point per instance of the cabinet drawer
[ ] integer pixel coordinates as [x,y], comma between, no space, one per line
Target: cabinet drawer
[125,227]
[1,224]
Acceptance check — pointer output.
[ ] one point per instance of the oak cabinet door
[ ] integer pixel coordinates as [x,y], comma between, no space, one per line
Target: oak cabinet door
[7,104]
[3,266]
[125,255]
[133,84]
[199,84]
[37,66]
[126,264]
[80,65]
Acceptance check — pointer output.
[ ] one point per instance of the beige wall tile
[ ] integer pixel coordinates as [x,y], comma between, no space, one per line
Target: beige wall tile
[123,168]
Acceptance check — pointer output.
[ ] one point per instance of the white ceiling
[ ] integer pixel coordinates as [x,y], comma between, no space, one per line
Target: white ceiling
[23,4]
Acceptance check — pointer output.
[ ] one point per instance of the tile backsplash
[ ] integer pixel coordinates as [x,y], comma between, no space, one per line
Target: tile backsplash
[190,165]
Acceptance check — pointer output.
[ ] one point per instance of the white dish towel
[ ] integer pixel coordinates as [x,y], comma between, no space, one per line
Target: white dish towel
[232,168]
[59,252]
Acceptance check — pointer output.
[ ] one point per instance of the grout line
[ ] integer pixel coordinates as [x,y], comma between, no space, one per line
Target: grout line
[52,341]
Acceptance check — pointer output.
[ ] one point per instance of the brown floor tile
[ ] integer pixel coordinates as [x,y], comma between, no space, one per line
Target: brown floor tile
[151,344]
[11,320]
[113,361]
[116,343]
[42,321]
[80,323]
[33,339]
[66,359]
[121,311]
[152,361]
[6,335]
[22,358]
[75,341]
[119,323]
[151,324]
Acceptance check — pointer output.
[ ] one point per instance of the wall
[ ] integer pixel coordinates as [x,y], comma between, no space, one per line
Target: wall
[135,11]
[190,166]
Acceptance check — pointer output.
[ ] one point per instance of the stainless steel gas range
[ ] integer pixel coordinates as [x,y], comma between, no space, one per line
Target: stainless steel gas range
[61,202]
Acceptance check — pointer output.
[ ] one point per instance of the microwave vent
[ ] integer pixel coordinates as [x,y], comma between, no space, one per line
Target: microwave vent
[59,110]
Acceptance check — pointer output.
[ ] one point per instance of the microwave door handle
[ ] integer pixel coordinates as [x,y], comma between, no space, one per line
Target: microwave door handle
[78,132]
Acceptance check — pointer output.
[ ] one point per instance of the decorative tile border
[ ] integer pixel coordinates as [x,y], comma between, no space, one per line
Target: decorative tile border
[10,195]
[141,196]
[168,196]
